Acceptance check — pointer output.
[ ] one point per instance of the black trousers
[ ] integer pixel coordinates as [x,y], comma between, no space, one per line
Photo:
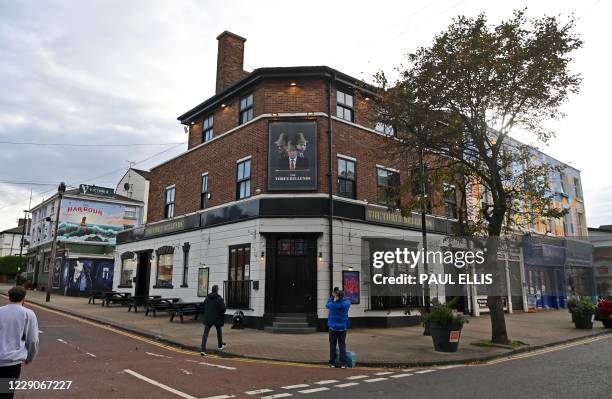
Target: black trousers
[8,373]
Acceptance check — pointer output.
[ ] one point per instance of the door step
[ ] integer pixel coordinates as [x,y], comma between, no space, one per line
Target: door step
[290,324]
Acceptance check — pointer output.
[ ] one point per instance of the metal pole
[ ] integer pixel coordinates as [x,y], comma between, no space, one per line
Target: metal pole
[60,193]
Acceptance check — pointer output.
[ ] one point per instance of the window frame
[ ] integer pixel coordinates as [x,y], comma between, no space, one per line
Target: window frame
[450,203]
[247,109]
[203,190]
[344,105]
[385,128]
[164,251]
[210,119]
[246,267]
[169,206]
[346,179]
[127,257]
[378,186]
[246,180]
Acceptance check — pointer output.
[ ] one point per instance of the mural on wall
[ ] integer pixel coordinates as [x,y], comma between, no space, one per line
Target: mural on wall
[292,156]
[84,274]
[90,221]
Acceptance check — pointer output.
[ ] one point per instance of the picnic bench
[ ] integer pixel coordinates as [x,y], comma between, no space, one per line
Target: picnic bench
[140,300]
[160,304]
[121,298]
[93,295]
[186,308]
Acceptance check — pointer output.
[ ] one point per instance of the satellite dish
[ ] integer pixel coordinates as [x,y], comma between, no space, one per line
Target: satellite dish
[126,186]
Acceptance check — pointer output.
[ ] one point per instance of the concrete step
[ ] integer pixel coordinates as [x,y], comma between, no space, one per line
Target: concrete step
[289,319]
[286,330]
[277,324]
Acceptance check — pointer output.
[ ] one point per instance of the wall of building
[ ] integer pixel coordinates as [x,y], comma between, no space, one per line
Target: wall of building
[139,190]
[10,244]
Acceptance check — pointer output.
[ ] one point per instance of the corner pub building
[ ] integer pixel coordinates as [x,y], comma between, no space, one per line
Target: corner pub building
[284,179]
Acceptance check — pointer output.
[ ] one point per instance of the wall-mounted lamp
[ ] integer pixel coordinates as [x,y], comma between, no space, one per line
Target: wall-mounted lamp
[223,105]
[367,98]
[262,256]
[310,113]
[351,268]
[292,84]
[320,256]
[193,122]
[274,114]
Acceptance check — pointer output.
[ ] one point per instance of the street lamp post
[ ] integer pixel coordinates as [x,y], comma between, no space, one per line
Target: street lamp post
[61,189]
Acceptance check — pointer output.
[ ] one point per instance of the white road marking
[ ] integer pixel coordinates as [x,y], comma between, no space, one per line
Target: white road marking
[62,341]
[159,385]
[158,355]
[424,371]
[313,390]
[186,372]
[450,366]
[218,366]
[376,379]
[296,386]
[384,373]
[220,397]
[90,354]
[258,391]
[401,375]
[278,395]
[324,382]
[356,377]
[346,385]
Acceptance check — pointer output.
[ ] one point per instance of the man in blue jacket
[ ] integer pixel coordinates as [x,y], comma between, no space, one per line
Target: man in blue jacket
[338,322]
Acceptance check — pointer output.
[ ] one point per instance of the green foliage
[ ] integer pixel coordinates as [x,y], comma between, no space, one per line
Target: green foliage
[9,264]
[443,315]
[581,305]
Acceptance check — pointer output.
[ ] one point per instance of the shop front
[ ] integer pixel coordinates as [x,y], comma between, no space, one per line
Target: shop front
[544,259]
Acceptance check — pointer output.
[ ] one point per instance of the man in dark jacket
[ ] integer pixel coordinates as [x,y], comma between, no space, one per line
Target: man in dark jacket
[338,322]
[214,315]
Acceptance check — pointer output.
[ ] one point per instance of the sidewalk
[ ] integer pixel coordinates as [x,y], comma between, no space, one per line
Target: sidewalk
[404,346]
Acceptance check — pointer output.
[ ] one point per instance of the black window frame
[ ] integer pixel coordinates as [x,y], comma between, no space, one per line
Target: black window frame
[203,190]
[390,198]
[344,106]
[232,271]
[244,180]
[245,109]
[345,180]
[208,128]
[450,201]
[169,206]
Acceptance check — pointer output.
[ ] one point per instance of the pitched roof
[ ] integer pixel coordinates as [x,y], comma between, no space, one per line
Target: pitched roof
[144,173]
[13,230]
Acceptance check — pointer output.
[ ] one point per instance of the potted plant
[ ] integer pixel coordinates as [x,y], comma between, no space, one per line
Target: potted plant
[583,311]
[445,327]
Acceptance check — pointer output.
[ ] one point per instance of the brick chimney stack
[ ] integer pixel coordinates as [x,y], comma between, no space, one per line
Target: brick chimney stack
[230,59]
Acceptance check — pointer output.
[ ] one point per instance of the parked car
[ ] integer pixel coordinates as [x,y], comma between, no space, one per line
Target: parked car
[604,311]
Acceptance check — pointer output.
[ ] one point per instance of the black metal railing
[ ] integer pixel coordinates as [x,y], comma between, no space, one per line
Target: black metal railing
[237,294]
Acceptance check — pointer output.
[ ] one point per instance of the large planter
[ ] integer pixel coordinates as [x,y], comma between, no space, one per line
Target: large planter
[583,320]
[445,338]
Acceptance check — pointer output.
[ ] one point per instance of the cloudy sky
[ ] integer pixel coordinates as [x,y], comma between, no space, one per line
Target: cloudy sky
[120,72]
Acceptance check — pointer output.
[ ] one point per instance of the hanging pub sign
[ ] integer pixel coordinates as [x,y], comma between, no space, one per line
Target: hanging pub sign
[292,156]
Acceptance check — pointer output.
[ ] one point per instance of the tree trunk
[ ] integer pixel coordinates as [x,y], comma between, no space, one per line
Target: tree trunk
[499,334]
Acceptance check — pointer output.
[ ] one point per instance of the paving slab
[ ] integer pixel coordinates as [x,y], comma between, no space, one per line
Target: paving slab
[400,346]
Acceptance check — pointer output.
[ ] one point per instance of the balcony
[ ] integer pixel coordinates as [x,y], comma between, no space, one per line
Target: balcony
[237,294]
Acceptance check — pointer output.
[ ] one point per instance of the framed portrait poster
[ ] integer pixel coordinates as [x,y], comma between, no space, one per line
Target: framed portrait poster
[203,281]
[350,286]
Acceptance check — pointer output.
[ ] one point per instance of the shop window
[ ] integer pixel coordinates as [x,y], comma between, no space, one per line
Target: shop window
[347,182]
[169,208]
[237,288]
[243,179]
[128,268]
[207,129]
[165,264]
[246,108]
[344,106]
[204,190]
[388,184]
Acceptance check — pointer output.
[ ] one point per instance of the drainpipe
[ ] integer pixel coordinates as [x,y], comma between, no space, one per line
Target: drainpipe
[330,182]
